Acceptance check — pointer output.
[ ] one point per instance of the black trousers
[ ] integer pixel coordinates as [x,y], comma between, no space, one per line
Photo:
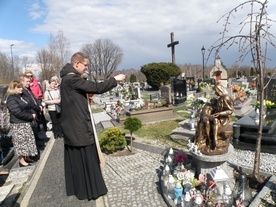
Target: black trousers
[42,120]
[56,127]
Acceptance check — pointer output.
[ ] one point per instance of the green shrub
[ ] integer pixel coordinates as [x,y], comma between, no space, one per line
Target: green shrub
[164,103]
[112,140]
[132,124]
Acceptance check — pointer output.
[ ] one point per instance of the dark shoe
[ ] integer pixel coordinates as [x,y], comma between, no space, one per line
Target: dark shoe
[29,161]
[56,136]
[36,157]
[39,139]
[60,136]
[24,165]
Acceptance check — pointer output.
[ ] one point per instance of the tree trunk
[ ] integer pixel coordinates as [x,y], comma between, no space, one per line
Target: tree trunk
[131,142]
[260,91]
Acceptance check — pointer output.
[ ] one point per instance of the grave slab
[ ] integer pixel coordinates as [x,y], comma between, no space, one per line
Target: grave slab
[264,196]
[246,132]
[249,127]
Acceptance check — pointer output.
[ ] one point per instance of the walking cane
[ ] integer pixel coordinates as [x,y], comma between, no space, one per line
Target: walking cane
[99,151]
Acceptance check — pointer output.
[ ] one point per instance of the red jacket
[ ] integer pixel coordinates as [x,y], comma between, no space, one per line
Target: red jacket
[36,89]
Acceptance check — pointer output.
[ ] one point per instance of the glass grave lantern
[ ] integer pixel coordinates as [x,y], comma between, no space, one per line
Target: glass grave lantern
[241,193]
[223,192]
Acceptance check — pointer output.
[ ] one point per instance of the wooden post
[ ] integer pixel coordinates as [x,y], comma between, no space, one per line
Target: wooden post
[172,44]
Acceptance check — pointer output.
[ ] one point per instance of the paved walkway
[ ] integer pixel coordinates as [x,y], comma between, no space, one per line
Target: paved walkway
[49,190]
[132,180]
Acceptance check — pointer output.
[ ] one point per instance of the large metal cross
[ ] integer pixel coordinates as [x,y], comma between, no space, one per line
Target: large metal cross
[172,44]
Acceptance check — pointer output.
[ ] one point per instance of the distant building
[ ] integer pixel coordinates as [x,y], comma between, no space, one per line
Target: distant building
[219,73]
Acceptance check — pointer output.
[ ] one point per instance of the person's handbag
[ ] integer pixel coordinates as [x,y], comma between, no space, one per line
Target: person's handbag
[58,107]
[4,120]
[34,123]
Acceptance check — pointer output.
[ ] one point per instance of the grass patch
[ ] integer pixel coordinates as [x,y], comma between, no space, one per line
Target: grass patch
[182,107]
[157,130]
[183,111]
[158,134]
[97,110]
[146,97]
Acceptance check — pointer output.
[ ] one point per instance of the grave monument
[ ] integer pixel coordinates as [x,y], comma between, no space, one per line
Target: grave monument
[166,94]
[172,45]
[214,131]
[179,88]
[246,128]
[211,145]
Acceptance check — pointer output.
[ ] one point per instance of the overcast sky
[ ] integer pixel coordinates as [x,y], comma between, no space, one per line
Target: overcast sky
[140,27]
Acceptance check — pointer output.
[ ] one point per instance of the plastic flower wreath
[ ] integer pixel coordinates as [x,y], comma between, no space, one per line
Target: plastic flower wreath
[180,157]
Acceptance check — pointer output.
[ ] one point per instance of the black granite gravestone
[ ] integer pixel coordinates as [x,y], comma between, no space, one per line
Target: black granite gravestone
[179,88]
[270,91]
[246,137]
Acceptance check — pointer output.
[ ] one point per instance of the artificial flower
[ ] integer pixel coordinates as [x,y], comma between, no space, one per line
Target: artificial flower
[180,157]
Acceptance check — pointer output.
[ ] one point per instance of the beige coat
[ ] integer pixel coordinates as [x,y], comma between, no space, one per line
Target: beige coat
[52,96]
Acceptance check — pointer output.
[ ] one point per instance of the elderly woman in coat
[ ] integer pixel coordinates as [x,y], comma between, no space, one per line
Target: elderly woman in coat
[21,116]
[52,100]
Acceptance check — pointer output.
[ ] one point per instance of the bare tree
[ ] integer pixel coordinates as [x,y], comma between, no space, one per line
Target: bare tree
[52,60]
[16,66]
[62,46]
[139,75]
[24,62]
[43,58]
[5,68]
[254,31]
[59,50]
[104,58]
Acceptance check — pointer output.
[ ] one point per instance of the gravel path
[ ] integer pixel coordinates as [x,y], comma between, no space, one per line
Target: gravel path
[245,158]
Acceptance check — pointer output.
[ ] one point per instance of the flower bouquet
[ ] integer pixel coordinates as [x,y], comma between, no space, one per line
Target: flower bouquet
[267,104]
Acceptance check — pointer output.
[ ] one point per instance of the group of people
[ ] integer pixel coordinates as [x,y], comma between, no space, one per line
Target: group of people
[83,177]
[25,105]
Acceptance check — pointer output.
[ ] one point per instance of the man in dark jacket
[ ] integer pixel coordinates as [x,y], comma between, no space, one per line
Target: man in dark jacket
[83,176]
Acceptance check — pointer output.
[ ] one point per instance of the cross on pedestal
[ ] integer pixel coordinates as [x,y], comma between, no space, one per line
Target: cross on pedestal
[172,44]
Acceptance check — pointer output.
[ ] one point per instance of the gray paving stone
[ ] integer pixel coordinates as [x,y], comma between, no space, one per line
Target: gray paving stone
[50,189]
[133,180]
[4,192]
